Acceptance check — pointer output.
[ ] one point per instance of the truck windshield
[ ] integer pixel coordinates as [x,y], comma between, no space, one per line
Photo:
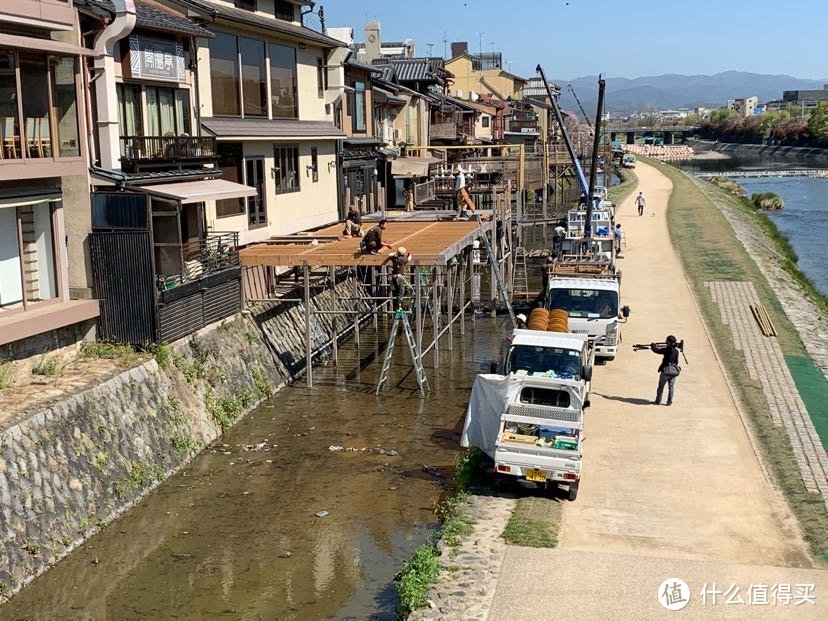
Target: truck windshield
[591,303]
[548,361]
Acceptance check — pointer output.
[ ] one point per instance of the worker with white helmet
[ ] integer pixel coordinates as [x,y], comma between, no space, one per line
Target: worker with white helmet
[399,283]
[521,321]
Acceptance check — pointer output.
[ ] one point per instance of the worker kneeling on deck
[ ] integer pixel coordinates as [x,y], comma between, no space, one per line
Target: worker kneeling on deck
[372,242]
[400,287]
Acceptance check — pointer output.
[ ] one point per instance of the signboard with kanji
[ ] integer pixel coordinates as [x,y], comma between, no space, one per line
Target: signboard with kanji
[156,59]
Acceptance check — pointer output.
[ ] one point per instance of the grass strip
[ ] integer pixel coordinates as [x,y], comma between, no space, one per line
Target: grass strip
[813,389]
[629,182]
[534,523]
[421,572]
[709,250]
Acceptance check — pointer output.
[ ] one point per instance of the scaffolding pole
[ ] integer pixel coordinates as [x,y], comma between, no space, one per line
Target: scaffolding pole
[308,352]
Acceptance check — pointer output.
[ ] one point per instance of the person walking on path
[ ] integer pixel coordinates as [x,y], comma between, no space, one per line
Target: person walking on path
[668,370]
[617,234]
[640,202]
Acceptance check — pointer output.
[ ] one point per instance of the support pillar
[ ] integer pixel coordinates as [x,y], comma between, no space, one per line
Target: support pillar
[334,331]
[308,350]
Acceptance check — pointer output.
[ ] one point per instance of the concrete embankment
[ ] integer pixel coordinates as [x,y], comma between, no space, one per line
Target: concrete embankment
[68,470]
[762,151]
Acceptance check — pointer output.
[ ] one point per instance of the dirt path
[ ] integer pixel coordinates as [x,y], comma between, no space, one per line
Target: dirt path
[678,490]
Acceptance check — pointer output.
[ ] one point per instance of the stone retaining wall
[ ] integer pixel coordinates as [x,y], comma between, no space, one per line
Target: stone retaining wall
[764,151]
[68,470]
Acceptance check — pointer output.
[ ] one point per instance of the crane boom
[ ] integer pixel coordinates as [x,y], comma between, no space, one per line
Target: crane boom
[586,118]
[579,171]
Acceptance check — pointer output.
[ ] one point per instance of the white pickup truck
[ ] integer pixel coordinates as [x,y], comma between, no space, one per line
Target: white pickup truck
[531,427]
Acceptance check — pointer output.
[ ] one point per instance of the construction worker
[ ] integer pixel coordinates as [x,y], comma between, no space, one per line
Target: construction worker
[521,321]
[640,202]
[400,287]
[459,185]
[372,242]
[353,224]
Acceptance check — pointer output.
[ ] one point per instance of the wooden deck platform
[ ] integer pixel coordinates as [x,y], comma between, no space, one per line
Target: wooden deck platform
[431,243]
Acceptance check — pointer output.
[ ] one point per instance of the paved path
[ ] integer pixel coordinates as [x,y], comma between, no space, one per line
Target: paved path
[767,365]
[667,492]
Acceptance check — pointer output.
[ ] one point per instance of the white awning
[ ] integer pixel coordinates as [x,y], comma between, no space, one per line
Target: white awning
[32,199]
[198,191]
[412,166]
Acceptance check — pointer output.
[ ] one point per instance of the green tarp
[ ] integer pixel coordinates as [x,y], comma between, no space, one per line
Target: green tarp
[813,388]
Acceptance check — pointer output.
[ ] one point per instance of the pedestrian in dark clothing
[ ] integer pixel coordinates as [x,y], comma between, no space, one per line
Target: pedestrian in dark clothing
[617,235]
[399,284]
[353,224]
[372,242]
[640,202]
[668,370]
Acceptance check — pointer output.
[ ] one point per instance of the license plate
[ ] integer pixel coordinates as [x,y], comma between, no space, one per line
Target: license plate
[538,476]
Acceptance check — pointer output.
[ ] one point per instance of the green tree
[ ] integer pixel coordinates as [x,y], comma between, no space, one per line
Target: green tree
[720,116]
[818,123]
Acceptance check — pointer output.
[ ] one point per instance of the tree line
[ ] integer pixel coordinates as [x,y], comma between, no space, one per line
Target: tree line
[783,127]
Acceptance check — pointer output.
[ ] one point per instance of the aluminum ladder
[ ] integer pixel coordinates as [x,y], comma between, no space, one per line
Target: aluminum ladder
[520,279]
[501,285]
[401,317]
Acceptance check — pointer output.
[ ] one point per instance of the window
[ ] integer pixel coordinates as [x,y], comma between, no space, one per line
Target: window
[27,256]
[129,110]
[168,111]
[358,108]
[254,177]
[314,164]
[591,303]
[283,81]
[545,396]
[254,85]
[286,163]
[46,93]
[224,74]
[247,5]
[230,162]
[283,10]
[484,121]
[321,77]
[564,363]
[65,107]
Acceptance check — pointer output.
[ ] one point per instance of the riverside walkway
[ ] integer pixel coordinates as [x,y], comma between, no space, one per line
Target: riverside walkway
[674,492]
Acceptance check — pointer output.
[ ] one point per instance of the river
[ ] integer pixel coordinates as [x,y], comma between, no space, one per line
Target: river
[804,219]
[235,534]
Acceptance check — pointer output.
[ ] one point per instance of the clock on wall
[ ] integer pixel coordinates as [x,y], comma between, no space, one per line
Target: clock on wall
[371,38]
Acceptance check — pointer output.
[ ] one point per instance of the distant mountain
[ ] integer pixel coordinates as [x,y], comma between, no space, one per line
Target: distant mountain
[625,96]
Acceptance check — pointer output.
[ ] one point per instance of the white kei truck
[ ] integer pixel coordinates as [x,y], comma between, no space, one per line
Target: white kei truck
[531,427]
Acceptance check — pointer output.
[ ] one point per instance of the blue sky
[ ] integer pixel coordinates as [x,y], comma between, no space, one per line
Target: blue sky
[634,37]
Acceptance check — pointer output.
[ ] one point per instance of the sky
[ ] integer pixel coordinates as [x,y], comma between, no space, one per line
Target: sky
[619,38]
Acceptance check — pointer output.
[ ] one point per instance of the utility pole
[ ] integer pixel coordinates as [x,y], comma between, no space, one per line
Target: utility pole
[445,44]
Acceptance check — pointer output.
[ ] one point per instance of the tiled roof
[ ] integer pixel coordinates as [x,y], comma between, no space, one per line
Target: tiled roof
[152,18]
[268,23]
[352,62]
[411,70]
[267,128]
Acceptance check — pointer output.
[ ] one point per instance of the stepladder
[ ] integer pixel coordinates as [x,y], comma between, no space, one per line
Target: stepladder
[401,319]
[520,276]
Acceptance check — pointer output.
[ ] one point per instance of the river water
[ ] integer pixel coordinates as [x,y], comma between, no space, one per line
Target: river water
[234,535]
[804,219]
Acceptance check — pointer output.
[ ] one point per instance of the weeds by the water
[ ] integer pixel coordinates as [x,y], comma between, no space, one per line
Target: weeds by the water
[47,366]
[6,374]
[415,579]
[123,354]
[710,251]
[534,523]
[162,354]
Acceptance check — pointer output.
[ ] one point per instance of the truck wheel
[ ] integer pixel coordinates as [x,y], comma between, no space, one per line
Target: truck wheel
[551,489]
[573,491]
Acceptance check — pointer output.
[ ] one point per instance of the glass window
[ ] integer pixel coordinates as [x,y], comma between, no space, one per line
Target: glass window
[27,269]
[224,74]
[65,102]
[9,120]
[35,99]
[182,111]
[129,110]
[254,177]
[554,361]
[283,10]
[321,77]
[358,113]
[591,303]
[230,163]
[314,164]
[168,111]
[283,81]
[484,121]
[286,162]
[254,84]
[247,5]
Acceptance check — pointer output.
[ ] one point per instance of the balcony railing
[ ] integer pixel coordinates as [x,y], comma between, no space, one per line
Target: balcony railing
[204,257]
[166,150]
[520,125]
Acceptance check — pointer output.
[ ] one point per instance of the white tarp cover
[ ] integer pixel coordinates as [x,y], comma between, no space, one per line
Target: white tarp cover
[489,397]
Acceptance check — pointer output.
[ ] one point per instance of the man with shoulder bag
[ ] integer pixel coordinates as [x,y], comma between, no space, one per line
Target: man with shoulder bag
[668,370]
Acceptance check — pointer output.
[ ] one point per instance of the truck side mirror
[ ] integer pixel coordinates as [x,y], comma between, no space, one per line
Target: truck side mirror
[586,372]
[625,311]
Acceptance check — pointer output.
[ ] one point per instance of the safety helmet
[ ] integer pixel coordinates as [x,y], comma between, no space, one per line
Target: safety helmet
[402,251]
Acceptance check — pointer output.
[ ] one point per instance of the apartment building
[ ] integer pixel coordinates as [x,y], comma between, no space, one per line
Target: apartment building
[43,178]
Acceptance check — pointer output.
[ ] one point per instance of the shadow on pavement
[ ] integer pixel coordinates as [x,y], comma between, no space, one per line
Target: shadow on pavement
[633,400]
